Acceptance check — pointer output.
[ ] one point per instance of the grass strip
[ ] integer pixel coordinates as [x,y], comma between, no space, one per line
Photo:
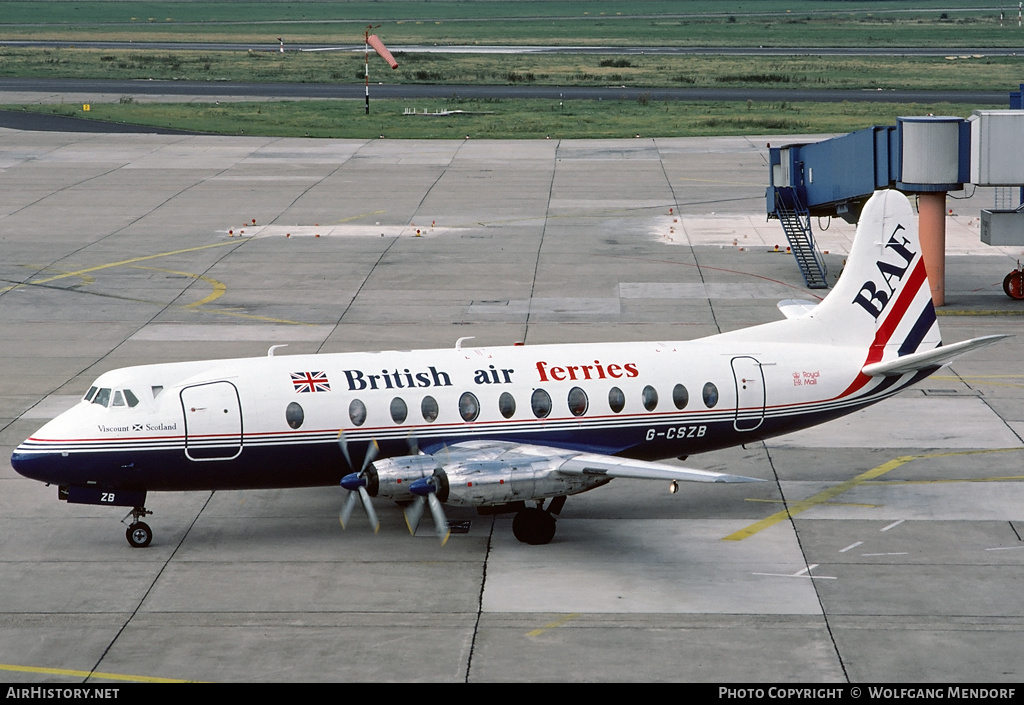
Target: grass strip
[506,118]
[972,23]
[979,73]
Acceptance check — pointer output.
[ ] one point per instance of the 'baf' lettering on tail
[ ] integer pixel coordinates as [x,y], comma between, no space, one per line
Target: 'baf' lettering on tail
[871,296]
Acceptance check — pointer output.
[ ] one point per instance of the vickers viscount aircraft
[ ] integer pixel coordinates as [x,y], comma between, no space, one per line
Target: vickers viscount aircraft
[514,429]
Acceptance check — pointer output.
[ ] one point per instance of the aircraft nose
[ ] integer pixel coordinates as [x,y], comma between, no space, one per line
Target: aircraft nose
[23,463]
[43,467]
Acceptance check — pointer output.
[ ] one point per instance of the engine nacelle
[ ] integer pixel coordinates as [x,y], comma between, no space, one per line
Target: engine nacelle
[390,478]
[490,482]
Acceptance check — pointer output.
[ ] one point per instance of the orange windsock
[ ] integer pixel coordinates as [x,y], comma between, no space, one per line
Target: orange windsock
[378,46]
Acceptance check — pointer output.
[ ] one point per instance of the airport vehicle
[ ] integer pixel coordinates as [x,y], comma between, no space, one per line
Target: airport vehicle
[515,428]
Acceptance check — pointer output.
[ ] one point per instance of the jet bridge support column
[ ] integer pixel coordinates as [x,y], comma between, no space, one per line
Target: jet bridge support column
[933,159]
[931,226]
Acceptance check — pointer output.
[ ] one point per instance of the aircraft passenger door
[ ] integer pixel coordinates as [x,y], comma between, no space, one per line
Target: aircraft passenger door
[750,393]
[213,421]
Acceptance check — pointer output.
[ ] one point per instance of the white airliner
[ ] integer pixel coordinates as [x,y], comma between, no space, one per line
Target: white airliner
[506,428]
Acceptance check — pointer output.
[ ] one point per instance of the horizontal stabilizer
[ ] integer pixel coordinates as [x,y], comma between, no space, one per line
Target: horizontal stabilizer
[796,308]
[610,466]
[930,358]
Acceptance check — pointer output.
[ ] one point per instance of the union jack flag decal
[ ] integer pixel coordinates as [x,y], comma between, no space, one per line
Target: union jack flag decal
[310,382]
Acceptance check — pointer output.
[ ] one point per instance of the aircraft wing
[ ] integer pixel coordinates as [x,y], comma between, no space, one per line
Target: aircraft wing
[569,462]
[611,466]
[930,358]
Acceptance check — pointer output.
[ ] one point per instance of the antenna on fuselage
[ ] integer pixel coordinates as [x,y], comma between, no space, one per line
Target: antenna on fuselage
[458,343]
[270,352]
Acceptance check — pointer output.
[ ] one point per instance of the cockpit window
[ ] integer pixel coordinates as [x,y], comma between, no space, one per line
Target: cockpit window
[111,397]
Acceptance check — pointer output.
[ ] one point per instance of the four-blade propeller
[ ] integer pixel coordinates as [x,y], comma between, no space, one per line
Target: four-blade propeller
[355,483]
[425,490]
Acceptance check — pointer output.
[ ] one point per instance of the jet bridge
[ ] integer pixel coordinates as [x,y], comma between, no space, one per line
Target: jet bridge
[926,156]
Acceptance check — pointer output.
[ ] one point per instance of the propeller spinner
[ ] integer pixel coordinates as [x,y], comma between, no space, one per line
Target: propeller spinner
[426,490]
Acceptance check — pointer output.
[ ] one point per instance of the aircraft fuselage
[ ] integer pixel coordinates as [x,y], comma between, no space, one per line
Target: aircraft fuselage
[274,421]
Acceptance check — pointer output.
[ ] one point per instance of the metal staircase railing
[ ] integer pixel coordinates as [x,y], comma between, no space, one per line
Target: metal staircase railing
[796,222]
[1008,198]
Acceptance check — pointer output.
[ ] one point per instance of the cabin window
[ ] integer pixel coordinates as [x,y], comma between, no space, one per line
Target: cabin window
[399,410]
[710,394]
[540,401]
[507,405]
[616,399]
[156,389]
[650,398]
[428,407]
[469,406]
[578,401]
[680,397]
[357,412]
[294,415]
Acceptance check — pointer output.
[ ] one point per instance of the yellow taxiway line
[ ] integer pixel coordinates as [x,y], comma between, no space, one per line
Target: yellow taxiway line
[88,674]
[832,492]
[219,288]
[553,625]
[111,265]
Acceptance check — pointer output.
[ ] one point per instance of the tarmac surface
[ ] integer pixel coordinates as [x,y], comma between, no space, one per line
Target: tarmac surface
[899,560]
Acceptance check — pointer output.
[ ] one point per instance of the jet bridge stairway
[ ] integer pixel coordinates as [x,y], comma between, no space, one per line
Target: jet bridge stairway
[796,222]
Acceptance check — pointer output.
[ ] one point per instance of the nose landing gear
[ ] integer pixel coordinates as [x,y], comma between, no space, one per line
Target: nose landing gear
[139,534]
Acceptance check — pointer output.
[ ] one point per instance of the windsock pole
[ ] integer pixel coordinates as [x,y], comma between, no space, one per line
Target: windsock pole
[372,40]
[366,59]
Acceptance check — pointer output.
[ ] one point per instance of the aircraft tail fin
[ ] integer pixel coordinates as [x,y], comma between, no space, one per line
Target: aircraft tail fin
[883,299]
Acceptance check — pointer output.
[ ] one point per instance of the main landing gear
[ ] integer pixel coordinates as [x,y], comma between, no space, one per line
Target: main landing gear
[139,534]
[536,525]
[1013,283]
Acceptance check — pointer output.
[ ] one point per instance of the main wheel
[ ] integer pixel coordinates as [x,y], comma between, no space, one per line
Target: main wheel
[139,534]
[1013,284]
[534,526]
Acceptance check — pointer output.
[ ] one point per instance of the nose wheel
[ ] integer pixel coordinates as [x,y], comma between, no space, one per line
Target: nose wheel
[138,533]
